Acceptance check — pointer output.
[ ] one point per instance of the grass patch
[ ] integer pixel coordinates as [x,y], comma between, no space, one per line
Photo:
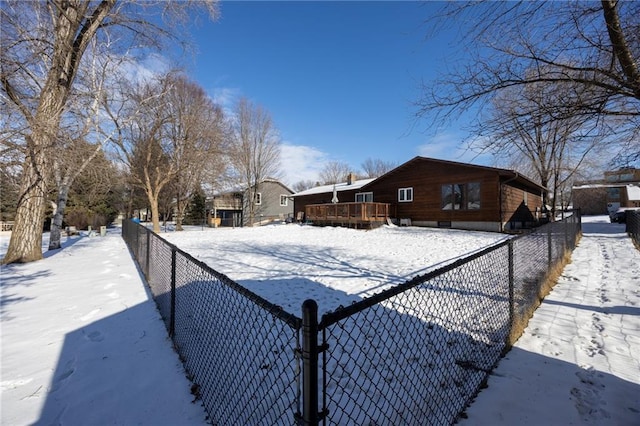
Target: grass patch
[521,320]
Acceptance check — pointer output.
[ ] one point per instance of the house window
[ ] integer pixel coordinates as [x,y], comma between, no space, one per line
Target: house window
[284,200]
[364,197]
[614,194]
[258,198]
[461,196]
[405,195]
[473,196]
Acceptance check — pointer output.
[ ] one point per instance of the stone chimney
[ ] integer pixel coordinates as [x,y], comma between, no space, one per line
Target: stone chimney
[351,178]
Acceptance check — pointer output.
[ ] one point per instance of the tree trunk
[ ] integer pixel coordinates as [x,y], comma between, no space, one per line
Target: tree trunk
[179,212]
[56,223]
[25,244]
[155,213]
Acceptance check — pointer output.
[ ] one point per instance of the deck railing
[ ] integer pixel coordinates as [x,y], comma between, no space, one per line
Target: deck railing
[347,212]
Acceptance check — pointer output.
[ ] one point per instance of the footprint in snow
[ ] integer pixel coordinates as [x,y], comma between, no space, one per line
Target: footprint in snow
[570,278]
[597,324]
[590,346]
[94,336]
[587,397]
[67,371]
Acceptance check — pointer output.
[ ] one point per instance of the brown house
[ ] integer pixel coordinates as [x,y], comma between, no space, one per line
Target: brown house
[437,193]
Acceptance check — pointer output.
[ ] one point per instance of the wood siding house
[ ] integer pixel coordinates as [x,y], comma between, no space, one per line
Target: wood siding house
[439,193]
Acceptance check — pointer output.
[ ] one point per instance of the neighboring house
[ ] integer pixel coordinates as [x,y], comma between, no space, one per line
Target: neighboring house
[437,193]
[620,188]
[272,202]
[225,209]
[344,192]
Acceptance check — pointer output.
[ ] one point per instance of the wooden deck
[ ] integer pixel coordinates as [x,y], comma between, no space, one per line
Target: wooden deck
[355,215]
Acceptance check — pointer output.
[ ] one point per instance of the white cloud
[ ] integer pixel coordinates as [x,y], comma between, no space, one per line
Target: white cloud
[225,96]
[300,162]
[144,69]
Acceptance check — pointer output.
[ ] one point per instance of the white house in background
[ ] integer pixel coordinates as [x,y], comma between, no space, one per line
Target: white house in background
[272,202]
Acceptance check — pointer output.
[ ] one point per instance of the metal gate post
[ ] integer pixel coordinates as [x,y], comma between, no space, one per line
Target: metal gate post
[146,270]
[137,250]
[549,251]
[310,362]
[172,312]
[511,295]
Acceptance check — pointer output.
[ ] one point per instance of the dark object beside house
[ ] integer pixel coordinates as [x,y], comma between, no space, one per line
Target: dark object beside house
[620,215]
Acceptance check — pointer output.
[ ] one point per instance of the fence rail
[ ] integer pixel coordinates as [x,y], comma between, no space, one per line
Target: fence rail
[416,353]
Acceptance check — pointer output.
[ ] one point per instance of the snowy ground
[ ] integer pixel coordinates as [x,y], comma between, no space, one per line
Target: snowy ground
[578,361]
[82,343]
[287,264]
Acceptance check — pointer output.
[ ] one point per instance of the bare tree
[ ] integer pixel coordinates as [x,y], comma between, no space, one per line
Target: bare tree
[81,136]
[520,127]
[373,168]
[334,172]
[254,151]
[144,147]
[303,185]
[41,53]
[595,45]
[177,130]
[198,134]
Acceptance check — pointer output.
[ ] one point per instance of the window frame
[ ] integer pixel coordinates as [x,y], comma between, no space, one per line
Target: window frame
[258,198]
[458,196]
[405,195]
[469,192]
[286,200]
[364,195]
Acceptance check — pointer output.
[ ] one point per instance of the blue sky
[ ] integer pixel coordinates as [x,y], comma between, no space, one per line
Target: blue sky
[338,78]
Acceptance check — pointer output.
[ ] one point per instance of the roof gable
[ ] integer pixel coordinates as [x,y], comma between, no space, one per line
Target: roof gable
[240,190]
[505,173]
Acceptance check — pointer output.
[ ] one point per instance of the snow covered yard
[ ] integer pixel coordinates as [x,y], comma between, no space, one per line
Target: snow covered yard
[287,264]
[82,343]
[437,338]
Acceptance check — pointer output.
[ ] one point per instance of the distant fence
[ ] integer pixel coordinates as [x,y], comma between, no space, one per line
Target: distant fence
[633,226]
[416,353]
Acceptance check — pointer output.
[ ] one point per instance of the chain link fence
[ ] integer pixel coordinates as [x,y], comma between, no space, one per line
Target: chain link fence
[419,352]
[239,350]
[414,354]
[633,226]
